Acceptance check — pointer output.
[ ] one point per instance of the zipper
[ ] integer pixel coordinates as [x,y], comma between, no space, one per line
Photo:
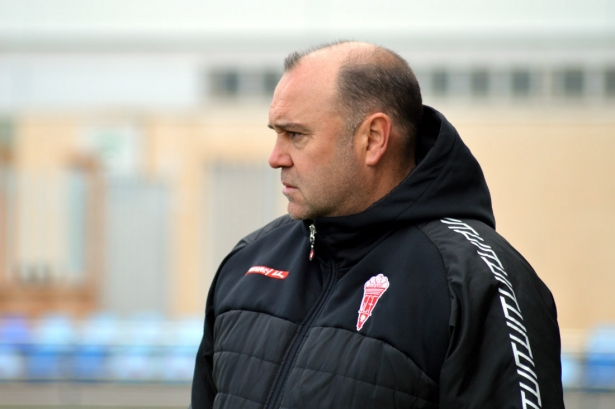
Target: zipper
[298,342]
[312,240]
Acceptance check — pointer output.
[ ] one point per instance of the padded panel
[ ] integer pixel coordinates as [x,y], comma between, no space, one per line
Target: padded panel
[249,348]
[339,368]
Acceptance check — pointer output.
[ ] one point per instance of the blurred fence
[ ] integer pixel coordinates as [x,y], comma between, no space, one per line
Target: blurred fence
[593,368]
[144,348]
[148,348]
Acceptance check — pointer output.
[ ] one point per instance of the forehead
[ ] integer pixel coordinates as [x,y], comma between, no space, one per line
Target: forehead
[307,90]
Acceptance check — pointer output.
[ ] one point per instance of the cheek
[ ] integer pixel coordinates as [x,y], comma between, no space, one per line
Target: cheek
[328,181]
[319,174]
[315,182]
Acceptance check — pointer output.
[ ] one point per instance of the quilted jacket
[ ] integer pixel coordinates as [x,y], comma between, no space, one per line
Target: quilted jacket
[414,303]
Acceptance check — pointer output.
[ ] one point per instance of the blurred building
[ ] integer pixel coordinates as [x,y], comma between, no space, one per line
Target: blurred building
[133,157]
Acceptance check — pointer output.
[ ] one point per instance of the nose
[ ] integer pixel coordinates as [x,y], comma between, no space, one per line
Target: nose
[279,157]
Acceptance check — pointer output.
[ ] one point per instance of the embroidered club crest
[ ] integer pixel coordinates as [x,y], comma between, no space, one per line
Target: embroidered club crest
[372,291]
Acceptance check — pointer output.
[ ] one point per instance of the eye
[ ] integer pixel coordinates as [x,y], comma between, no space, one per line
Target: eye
[294,135]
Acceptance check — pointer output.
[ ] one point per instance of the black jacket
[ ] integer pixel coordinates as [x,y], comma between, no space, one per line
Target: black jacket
[414,303]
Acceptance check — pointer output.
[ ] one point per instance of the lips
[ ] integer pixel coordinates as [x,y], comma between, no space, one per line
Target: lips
[288,188]
[289,185]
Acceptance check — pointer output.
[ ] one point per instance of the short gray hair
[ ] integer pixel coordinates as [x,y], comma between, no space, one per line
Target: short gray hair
[375,80]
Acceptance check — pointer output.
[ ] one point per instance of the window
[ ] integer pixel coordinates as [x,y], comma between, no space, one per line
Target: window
[241,197]
[573,82]
[56,225]
[521,82]
[116,146]
[50,235]
[609,82]
[244,83]
[250,84]
[479,82]
[6,134]
[440,82]
[77,222]
[137,232]
[7,212]
[271,79]
[225,83]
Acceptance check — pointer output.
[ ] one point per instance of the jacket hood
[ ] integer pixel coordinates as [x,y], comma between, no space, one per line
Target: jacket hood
[447,182]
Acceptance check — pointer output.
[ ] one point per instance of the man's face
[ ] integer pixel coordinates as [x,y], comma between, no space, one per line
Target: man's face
[319,167]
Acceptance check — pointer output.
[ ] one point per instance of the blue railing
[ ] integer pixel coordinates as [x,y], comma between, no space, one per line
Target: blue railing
[592,368]
[103,348]
[148,348]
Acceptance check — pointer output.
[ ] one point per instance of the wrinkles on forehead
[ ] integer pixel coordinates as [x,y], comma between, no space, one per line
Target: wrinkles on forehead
[310,89]
[306,92]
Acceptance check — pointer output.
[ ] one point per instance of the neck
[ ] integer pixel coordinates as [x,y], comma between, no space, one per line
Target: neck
[381,183]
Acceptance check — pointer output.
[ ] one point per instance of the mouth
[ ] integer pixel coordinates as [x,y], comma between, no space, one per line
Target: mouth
[288,188]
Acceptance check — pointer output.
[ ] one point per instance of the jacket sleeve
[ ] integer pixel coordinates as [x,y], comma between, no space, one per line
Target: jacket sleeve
[203,388]
[504,349]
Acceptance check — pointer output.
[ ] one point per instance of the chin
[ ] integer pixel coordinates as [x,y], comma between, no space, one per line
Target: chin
[297,214]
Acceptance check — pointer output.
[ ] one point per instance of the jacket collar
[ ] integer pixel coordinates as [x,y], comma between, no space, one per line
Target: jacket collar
[447,182]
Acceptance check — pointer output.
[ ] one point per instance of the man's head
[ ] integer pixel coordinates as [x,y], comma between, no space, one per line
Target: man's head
[346,115]
[370,79]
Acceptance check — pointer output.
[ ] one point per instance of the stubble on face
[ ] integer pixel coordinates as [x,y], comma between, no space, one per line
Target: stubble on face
[331,189]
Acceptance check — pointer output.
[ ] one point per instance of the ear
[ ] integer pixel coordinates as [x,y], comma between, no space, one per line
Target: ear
[375,134]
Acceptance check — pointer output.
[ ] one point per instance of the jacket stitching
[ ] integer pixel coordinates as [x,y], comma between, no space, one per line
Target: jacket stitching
[365,337]
[239,397]
[247,355]
[445,266]
[366,382]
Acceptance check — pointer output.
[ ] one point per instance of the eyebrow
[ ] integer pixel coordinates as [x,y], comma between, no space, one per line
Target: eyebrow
[289,126]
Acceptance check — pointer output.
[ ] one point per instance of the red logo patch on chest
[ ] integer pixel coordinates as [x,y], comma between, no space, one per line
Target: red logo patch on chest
[268,272]
[372,291]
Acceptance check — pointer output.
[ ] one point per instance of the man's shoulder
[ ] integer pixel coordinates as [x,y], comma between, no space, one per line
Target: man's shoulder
[477,256]
[457,234]
[465,242]
[257,235]
[263,231]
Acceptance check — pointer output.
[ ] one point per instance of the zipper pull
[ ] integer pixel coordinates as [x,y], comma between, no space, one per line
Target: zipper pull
[312,240]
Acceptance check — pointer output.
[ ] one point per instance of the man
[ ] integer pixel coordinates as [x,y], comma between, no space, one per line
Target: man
[386,286]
